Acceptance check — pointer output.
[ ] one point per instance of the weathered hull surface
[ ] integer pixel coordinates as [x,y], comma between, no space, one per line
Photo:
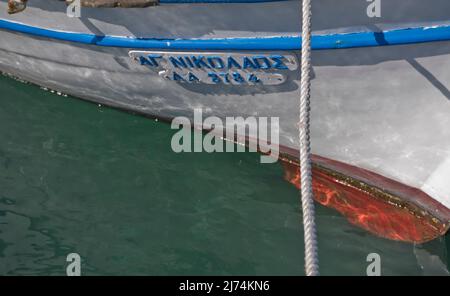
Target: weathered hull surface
[380,114]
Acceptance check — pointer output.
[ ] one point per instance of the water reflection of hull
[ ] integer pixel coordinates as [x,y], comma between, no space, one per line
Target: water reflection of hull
[380,114]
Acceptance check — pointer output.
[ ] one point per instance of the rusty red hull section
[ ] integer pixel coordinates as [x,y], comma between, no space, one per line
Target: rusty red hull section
[379,205]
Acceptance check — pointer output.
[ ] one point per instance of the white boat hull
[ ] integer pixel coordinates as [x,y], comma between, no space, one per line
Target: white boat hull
[383,109]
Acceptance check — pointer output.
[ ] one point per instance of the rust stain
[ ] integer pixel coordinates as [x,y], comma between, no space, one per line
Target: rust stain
[16,6]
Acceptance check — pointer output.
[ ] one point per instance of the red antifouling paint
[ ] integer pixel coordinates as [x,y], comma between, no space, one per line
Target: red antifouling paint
[383,214]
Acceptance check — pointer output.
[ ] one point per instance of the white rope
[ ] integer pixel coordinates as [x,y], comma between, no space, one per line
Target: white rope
[309,225]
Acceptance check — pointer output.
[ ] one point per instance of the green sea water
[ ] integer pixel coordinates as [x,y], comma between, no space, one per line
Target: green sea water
[79,178]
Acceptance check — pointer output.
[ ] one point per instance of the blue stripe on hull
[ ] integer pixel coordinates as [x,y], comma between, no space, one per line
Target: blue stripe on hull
[332,41]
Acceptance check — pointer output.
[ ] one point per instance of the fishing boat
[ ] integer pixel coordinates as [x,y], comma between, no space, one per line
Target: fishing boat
[380,105]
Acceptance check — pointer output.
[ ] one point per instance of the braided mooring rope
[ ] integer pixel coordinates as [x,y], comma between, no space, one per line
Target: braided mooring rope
[309,225]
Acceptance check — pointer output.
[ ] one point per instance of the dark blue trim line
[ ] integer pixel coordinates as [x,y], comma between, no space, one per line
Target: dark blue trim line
[333,41]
